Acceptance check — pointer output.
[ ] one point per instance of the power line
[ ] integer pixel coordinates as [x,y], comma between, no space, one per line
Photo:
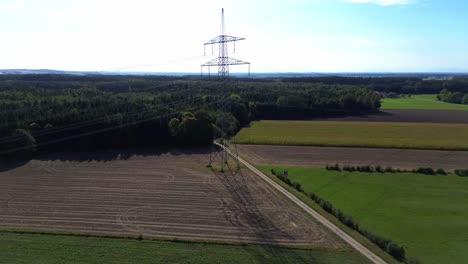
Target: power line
[167,62]
[95,121]
[97,131]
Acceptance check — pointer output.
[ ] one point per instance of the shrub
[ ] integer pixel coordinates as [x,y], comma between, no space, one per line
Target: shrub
[366,168]
[335,167]
[441,172]
[427,171]
[462,173]
[326,205]
[379,169]
[398,252]
[313,196]
[297,186]
[465,99]
[389,169]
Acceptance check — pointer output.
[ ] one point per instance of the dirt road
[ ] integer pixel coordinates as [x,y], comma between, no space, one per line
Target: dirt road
[351,241]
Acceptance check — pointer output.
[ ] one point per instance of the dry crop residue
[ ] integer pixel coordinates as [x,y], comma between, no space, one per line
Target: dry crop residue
[321,156]
[166,195]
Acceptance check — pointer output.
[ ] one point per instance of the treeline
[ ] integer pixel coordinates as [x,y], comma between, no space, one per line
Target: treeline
[398,85]
[392,248]
[42,112]
[453,97]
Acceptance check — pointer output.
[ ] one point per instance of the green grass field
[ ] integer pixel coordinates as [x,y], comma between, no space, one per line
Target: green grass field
[422,101]
[425,214]
[41,248]
[356,134]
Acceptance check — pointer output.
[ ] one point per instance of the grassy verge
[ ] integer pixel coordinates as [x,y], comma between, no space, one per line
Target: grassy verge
[426,214]
[266,169]
[27,247]
[422,101]
[356,134]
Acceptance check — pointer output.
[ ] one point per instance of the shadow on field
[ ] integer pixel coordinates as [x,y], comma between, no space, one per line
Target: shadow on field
[10,164]
[376,116]
[248,216]
[7,164]
[406,115]
[118,154]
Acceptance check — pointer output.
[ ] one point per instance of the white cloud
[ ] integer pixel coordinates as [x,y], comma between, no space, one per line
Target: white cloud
[382,2]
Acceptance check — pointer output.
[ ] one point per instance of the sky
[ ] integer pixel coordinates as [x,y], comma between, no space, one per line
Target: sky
[281,36]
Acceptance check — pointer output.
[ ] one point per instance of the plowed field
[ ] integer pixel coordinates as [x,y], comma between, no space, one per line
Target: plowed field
[321,156]
[169,194]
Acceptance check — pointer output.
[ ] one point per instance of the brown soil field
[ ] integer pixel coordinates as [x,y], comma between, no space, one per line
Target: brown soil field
[417,116]
[321,156]
[164,195]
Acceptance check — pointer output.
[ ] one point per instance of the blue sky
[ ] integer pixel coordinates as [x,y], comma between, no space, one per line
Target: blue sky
[282,36]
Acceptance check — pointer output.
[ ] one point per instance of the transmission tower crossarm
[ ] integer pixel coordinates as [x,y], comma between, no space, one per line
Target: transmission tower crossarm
[223,39]
[225,61]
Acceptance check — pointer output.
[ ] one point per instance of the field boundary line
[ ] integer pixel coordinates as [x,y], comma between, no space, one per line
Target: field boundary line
[347,238]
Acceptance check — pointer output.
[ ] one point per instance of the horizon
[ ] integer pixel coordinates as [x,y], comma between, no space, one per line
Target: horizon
[169,73]
[339,36]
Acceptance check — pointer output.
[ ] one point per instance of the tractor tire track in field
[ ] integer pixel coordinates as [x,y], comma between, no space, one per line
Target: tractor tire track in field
[170,194]
[321,156]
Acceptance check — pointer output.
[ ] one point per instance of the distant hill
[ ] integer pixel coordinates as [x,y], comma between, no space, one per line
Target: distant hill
[42,71]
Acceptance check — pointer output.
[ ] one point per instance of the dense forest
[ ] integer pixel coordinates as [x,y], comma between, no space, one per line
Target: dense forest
[398,85]
[43,112]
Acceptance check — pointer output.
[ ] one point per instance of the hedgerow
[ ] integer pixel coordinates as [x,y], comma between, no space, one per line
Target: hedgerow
[388,169]
[392,248]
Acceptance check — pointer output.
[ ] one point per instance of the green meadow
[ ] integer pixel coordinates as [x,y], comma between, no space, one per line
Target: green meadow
[422,101]
[425,214]
[356,134]
[50,249]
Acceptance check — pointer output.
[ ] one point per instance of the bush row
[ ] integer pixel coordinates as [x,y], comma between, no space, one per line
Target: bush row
[392,248]
[462,173]
[380,169]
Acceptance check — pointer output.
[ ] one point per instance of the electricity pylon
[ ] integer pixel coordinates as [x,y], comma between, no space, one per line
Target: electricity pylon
[222,62]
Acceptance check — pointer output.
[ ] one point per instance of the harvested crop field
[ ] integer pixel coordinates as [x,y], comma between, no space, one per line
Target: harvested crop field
[321,156]
[409,115]
[169,194]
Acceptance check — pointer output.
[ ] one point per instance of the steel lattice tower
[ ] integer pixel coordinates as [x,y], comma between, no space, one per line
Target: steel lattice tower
[222,62]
